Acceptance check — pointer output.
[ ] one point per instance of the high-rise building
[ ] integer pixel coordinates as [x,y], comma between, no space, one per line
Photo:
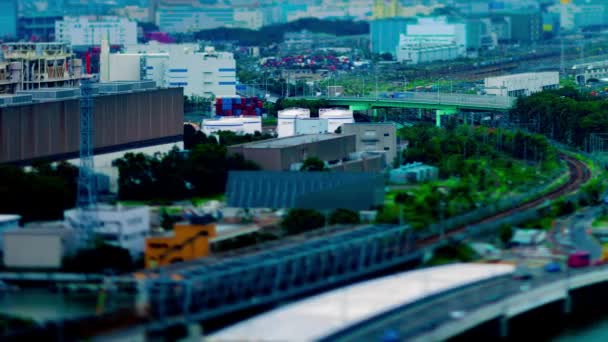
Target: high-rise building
[385,9]
[8,19]
[89,31]
[188,17]
[385,34]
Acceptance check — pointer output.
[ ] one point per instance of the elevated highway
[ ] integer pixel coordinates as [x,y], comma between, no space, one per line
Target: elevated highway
[442,103]
[500,299]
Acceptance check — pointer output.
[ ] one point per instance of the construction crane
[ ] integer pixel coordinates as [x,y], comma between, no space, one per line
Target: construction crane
[87,183]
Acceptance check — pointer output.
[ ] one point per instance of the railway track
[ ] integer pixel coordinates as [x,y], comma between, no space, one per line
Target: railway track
[579,174]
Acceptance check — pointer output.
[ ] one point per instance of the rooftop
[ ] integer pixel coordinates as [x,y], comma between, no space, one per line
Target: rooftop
[292,141]
[525,74]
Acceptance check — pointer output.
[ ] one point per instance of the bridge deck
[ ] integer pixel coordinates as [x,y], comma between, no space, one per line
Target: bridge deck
[427,100]
[319,316]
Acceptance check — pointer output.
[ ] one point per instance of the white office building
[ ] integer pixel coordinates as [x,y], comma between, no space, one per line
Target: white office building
[126,227]
[201,73]
[436,31]
[415,54]
[89,31]
[521,84]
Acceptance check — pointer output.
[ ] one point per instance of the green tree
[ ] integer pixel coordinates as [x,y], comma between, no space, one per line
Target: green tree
[40,194]
[313,164]
[100,259]
[302,220]
[344,216]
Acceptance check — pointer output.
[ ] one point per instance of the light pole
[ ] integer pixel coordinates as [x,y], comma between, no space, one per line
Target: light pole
[443,191]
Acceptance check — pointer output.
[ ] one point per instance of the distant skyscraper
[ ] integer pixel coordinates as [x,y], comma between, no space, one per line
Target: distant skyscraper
[385,34]
[8,18]
[82,31]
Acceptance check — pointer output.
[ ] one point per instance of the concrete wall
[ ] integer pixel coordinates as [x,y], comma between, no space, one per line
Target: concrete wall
[25,250]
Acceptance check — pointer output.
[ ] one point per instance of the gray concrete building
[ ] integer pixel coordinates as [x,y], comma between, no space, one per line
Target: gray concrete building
[338,151]
[38,245]
[374,137]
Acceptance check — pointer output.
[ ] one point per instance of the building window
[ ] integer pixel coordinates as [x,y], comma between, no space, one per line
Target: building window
[386,134]
[369,134]
[387,148]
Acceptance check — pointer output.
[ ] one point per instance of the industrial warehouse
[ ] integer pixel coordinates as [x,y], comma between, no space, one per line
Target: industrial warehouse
[44,123]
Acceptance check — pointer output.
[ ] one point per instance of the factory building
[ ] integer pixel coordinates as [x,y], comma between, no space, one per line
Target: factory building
[283,154]
[521,84]
[238,125]
[375,137]
[44,123]
[89,31]
[413,173]
[206,74]
[296,121]
[310,190]
[38,65]
[38,245]
[188,241]
[590,71]
[125,227]
[426,53]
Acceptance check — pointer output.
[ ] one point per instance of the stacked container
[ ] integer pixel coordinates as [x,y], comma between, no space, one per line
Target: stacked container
[236,106]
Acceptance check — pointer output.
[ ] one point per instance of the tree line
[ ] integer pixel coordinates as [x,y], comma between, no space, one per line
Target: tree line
[200,171]
[273,34]
[482,163]
[564,115]
[40,193]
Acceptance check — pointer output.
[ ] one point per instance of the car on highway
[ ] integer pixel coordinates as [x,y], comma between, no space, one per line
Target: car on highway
[553,267]
[457,314]
[522,273]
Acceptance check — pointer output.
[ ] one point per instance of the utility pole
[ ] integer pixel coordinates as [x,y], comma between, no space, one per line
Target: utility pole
[562,63]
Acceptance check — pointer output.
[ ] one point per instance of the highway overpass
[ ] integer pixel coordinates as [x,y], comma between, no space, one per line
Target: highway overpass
[501,300]
[442,103]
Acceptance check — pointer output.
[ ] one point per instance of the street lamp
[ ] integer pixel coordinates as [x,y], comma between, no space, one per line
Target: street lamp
[443,191]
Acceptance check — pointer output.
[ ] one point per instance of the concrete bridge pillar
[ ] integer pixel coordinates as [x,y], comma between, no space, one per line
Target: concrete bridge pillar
[195,333]
[504,326]
[567,304]
[441,112]
[142,301]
